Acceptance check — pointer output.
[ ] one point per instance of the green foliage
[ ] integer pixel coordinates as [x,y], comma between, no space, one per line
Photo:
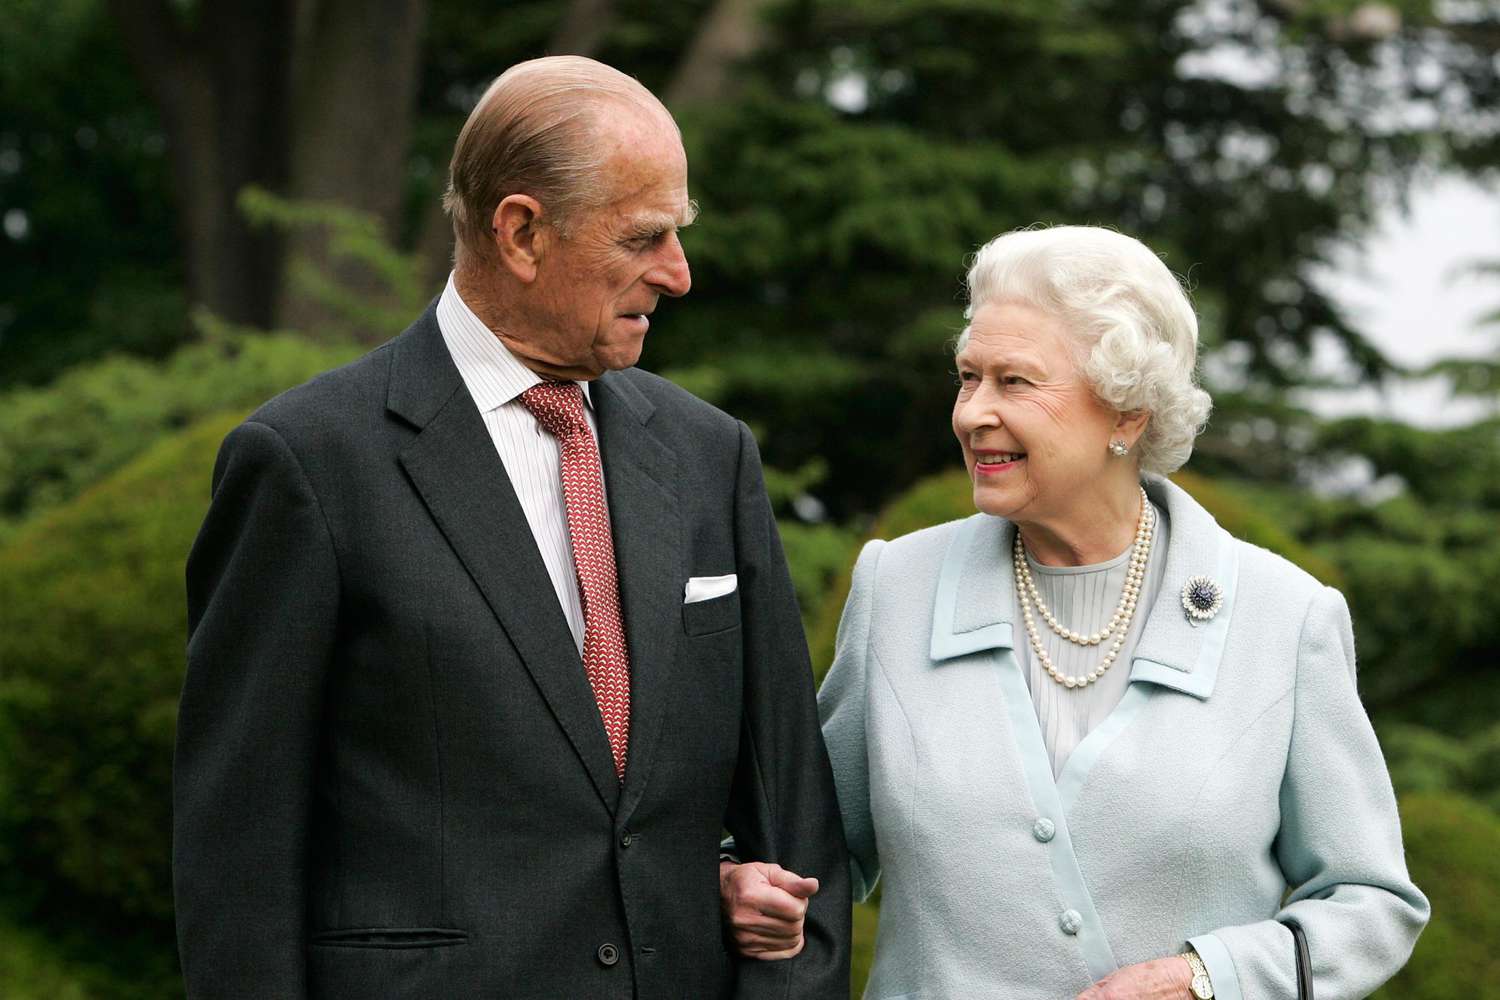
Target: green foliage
[1425,760]
[89,686]
[816,554]
[369,291]
[866,926]
[56,441]
[83,171]
[61,962]
[1450,851]
[32,970]
[872,145]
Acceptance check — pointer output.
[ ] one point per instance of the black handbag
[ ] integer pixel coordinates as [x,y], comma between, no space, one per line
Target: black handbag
[1304,959]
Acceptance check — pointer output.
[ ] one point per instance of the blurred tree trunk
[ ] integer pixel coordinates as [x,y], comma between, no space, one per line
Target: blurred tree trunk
[582,29]
[729,32]
[355,85]
[312,99]
[222,85]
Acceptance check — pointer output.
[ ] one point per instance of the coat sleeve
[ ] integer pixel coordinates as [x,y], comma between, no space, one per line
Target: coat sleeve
[841,706]
[782,806]
[1339,845]
[263,596]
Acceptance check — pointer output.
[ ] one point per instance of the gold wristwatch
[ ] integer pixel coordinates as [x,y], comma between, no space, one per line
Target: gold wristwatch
[1202,986]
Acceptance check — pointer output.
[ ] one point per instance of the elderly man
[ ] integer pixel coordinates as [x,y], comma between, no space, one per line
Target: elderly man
[491,634]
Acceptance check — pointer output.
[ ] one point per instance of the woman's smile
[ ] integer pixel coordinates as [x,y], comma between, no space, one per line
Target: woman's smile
[994,463]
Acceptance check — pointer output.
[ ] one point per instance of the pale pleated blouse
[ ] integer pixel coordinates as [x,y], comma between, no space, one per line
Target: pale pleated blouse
[1082,598]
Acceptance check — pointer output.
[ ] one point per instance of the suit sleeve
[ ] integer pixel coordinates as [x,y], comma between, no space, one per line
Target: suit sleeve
[1339,845]
[783,808]
[841,706]
[263,596]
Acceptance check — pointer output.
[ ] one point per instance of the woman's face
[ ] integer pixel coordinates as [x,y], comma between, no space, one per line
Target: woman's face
[1034,435]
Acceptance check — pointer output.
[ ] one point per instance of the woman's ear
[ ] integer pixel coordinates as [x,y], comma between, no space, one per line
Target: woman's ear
[515,230]
[1130,425]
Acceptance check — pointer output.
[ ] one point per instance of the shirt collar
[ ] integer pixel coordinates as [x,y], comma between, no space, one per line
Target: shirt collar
[493,375]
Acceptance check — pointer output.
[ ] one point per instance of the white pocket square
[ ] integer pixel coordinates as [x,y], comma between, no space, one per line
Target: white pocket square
[704,588]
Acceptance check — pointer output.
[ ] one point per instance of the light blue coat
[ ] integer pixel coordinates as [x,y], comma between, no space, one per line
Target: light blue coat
[1237,781]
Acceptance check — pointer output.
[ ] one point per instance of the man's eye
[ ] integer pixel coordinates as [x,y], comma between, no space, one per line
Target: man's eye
[1014,380]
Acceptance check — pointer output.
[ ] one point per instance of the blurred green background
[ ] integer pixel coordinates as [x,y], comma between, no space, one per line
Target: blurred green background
[203,204]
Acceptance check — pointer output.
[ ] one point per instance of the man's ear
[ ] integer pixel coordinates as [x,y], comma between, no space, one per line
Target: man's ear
[516,229]
[1130,425]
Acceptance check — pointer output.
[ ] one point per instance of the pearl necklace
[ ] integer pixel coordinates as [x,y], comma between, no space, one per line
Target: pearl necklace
[1119,622]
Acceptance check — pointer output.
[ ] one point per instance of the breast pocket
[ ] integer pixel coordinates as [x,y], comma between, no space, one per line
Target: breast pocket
[718,614]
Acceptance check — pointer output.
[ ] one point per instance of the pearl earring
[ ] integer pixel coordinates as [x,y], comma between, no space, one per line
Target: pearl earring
[1119,449]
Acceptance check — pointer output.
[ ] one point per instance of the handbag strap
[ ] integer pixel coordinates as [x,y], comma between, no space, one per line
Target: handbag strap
[1304,958]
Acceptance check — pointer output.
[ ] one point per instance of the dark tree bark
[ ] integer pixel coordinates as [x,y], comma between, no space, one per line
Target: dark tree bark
[582,29]
[729,32]
[221,85]
[355,87]
[311,99]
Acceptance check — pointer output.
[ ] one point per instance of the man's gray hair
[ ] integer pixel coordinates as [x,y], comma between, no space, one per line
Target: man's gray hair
[1136,334]
[535,131]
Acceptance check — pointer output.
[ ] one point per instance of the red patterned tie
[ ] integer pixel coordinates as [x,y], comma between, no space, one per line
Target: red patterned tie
[558,407]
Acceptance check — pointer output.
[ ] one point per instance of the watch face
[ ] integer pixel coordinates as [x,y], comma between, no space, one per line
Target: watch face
[1202,988]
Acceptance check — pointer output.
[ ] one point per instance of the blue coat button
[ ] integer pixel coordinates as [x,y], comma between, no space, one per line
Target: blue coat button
[1071,922]
[1044,829]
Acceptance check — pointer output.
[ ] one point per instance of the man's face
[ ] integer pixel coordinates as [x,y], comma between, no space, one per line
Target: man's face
[596,287]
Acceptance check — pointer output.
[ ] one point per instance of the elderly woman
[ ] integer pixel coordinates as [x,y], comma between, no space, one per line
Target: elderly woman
[1086,735]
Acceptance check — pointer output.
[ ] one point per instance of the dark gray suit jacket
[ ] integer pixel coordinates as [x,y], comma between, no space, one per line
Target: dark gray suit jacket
[391,776]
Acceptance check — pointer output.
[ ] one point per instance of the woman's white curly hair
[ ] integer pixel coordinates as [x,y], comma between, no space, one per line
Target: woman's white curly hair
[1136,332]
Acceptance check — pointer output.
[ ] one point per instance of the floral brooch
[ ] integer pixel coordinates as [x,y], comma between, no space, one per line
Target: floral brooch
[1201,598]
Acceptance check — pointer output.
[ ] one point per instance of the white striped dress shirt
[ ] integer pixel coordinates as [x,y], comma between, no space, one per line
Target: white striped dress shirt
[531,456]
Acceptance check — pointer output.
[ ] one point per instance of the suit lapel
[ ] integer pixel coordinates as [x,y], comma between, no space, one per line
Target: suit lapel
[453,466]
[646,522]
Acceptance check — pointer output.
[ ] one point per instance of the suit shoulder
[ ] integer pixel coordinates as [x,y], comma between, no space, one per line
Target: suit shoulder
[924,548]
[673,398]
[334,398]
[1264,572]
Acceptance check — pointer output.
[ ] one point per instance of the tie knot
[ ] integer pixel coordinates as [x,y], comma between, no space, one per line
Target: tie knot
[557,406]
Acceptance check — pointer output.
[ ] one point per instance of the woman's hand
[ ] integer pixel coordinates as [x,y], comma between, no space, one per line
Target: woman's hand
[764,906]
[1158,979]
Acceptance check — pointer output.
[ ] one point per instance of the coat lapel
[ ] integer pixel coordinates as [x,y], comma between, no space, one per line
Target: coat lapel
[1175,651]
[645,519]
[973,609]
[453,466]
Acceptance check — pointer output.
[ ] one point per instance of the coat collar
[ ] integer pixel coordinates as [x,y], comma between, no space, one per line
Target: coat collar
[452,464]
[975,604]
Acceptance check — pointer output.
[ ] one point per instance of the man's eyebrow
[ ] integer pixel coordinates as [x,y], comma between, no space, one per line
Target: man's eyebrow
[649,223]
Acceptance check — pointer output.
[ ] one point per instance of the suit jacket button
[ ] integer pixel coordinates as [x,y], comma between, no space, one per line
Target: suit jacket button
[626,839]
[608,954]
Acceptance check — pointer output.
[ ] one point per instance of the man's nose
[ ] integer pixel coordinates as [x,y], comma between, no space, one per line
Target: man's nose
[671,275]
